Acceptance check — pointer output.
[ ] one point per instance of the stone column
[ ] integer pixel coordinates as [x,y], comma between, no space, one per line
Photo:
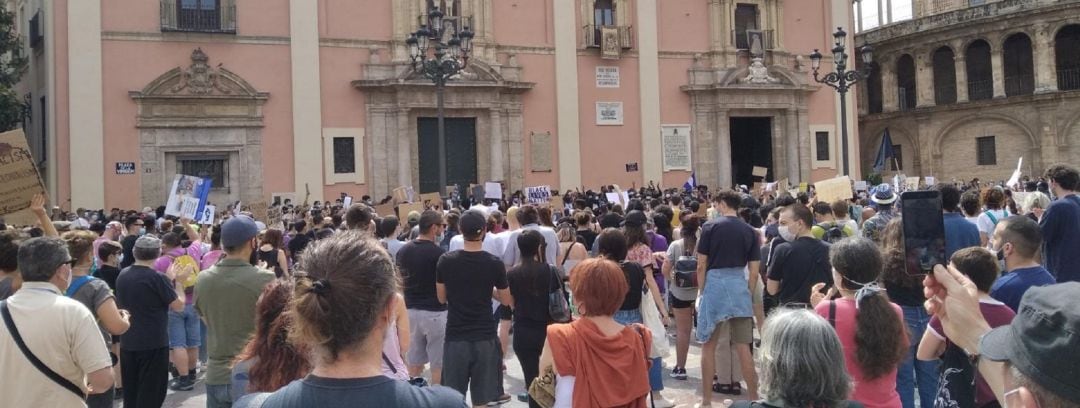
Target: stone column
[889,94]
[793,142]
[703,137]
[924,79]
[1045,61]
[723,150]
[961,77]
[498,148]
[997,62]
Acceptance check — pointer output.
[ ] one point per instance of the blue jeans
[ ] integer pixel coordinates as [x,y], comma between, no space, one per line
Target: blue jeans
[913,371]
[656,374]
[184,328]
[218,396]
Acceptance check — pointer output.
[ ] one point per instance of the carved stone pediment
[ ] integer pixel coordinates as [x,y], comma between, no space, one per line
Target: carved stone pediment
[199,96]
[394,76]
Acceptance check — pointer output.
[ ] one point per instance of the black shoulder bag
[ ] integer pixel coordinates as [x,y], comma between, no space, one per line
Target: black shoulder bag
[57,378]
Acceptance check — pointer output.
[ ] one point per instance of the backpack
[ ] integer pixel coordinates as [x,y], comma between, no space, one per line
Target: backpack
[77,284]
[834,232]
[187,261]
[684,270]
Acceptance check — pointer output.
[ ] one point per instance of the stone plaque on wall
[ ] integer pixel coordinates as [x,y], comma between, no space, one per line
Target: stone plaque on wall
[676,142]
[540,151]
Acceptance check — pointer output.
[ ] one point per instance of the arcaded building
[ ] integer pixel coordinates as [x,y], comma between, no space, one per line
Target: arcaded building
[272,97]
[967,88]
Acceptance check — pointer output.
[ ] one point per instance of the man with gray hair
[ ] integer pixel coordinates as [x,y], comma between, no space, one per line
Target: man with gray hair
[144,348]
[51,350]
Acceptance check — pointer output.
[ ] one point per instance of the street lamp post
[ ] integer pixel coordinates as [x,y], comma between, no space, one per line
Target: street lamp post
[841,80]
[449,58]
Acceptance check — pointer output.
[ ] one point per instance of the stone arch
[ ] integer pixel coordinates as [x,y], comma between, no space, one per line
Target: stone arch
[979,69]
[1032,138]
[1063,136]
[1067,56]
[907,81]
[943,61]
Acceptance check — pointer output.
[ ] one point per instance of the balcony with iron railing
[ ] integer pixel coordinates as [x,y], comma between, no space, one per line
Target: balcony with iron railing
[1019,85]
[593,36]
[221,18]
[1068,79]
[980,90]
[945,94]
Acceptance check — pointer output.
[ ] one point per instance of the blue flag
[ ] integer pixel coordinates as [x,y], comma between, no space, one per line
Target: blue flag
[691,183]
[885,153]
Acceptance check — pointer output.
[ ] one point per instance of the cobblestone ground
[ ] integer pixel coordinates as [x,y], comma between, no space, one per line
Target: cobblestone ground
[683,393]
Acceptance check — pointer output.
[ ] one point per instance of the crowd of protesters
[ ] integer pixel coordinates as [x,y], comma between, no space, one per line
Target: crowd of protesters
[795,302]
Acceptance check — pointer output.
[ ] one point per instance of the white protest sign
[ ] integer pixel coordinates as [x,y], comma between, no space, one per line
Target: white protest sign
[930,181]
[189,207]
[493,191]
[538,194]
[613,198]
[207,217]
[347,202]
[1015,179]
[860,185]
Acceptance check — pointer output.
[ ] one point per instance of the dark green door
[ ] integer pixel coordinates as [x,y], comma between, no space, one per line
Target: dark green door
[460,152]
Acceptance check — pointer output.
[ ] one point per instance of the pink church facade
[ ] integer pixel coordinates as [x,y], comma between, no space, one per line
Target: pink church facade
[284,97]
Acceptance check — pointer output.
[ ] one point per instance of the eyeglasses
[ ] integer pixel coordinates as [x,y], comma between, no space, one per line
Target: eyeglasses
[70,262]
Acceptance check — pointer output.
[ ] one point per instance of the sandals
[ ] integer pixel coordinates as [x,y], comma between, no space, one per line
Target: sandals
[727,389]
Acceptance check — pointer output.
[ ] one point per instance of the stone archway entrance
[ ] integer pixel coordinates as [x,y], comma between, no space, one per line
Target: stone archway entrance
[397,100]
[201,121]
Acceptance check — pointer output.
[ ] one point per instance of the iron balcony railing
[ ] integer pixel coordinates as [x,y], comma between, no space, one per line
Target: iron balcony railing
[221,18]
[1068,79]
[945,94]
[1019,85]
[980,90]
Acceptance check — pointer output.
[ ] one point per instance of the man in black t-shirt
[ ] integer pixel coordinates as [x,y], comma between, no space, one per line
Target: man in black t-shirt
[144,348]
[464,281]
[416,262]
[801,262]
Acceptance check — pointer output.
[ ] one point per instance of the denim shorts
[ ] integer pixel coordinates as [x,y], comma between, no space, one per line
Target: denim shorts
[184,328]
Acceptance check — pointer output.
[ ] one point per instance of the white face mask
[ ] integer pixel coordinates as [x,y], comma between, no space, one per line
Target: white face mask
[786,234]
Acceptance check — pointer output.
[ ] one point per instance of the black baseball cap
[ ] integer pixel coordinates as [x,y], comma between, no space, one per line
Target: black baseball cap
[1043,341]
[472,223]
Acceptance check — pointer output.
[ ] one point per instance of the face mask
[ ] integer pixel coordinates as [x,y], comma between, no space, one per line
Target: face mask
[786,234]
[142,231]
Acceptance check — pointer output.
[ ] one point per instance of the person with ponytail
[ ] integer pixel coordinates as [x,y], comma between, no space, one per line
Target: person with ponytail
[341,309]
[682,298]
[870,327]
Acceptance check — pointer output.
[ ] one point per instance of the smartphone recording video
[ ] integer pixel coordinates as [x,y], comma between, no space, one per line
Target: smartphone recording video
[924,231]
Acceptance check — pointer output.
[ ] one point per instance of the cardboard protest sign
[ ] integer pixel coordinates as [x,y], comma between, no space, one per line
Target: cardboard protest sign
[478,191]
[183,187]
[760,171]
[19,179]
[407,208]
[385,210]
[403,194]
[431,200]
[782,185]
[258,211]
[861,185]
[538,194]
[207,215]
[493,190]
[833,189]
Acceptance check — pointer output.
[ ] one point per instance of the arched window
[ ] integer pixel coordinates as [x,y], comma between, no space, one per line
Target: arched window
[873,89]
[944,76]
[905,81]
[1067,48]
[980,74]
[1019,66]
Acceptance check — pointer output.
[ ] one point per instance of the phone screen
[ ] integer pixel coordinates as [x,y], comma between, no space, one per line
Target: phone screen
[924,231]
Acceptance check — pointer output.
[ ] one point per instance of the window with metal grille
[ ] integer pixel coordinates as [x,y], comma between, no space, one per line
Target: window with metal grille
[746,18]
[215,168]
[898,158]
[344,155]
[208,16]
[986,151]
[821,139]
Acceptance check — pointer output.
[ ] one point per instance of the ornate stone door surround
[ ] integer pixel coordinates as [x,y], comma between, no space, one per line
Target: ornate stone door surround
[200,110]
[716,95]
[395,97]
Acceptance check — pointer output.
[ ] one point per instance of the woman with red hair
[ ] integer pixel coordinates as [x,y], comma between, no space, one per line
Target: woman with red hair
[269,361]
[597,361]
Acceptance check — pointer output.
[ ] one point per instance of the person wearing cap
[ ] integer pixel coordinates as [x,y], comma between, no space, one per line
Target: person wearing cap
[1031,362]
[465,281]
[144,348]
[884,197]
[416,262]
[225,297]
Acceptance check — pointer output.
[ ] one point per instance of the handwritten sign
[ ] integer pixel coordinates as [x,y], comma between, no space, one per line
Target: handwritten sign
[18,172]
[407,208]
[538,194]
[833,189]
[403,194]
[431,200]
